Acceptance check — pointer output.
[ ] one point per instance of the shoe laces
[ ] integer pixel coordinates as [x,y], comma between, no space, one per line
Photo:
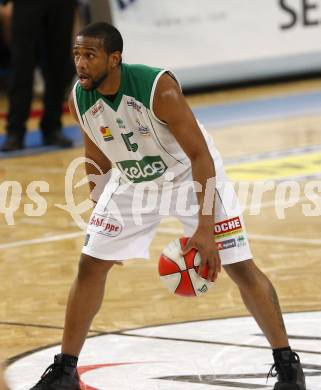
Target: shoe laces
[272,373]
[52,371]
[283,368]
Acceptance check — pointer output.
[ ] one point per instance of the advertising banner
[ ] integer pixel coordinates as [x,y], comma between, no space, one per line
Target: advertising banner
[218,41]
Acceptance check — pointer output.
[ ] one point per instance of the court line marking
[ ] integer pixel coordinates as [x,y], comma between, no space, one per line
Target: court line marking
[230,161]
[58,237]
[272,203]
[292,240]
[52,171]
[126,332]
[51,327]
[270,155]
[284,167]
[222,115]
[165,230]
[197,341]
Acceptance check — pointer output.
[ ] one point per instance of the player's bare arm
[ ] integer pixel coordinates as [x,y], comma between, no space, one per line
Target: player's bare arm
[171,107]
[92,152]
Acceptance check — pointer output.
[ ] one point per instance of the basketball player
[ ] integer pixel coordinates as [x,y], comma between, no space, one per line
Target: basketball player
[136,119]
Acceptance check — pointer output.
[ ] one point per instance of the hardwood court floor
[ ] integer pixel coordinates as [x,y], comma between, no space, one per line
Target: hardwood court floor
[39,254]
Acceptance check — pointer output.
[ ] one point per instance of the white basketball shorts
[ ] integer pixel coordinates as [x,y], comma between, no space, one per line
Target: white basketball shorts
[126,218]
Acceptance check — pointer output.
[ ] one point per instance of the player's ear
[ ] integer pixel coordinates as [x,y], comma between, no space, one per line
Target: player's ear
[115,59]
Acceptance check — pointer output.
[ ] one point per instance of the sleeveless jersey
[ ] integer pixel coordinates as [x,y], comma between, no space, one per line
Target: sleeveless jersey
[127,130]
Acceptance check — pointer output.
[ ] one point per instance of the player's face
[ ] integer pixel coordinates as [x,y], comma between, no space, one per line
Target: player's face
[92,62]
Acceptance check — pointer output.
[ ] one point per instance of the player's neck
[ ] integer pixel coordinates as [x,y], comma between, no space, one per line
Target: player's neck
[111,84]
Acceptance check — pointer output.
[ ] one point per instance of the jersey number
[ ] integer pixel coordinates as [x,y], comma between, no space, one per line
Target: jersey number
[131,147]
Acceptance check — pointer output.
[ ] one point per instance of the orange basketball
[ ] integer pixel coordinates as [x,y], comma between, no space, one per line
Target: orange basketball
[180,273]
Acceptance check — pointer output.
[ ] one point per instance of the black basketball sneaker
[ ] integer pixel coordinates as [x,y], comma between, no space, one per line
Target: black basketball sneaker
[287,368]
[61,375]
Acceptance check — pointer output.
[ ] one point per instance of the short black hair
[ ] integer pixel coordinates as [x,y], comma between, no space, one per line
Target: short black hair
[109,34]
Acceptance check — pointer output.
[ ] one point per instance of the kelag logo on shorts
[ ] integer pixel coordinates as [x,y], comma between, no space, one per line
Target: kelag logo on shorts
[146,169]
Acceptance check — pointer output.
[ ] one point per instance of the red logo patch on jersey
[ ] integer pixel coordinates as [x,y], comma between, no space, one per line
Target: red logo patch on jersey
[97,109]
[228,227]
[106,133]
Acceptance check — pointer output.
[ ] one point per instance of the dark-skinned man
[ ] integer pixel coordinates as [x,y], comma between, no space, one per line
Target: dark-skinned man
[135,119]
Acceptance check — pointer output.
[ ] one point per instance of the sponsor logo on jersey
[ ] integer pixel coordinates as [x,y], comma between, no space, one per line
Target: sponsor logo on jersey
[226,244]
[132,103]
[241,241]
[228,227]
[97,109]
[120,123]
[147,169]
[106,133]
[144,130]
[104,225]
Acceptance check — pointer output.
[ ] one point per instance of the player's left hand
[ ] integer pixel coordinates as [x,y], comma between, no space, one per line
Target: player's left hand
[203,241]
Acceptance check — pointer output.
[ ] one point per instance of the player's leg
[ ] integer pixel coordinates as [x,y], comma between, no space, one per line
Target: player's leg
[256,290]
[84,301]
[110,235]
[260,299]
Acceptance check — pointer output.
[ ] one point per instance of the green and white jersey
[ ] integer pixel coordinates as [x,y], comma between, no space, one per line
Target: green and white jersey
[127,130]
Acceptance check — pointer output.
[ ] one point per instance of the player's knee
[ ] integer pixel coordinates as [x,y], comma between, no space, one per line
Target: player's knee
[90,267]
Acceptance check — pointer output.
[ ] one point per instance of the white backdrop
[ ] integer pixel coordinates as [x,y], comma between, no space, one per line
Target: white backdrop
[214,41]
